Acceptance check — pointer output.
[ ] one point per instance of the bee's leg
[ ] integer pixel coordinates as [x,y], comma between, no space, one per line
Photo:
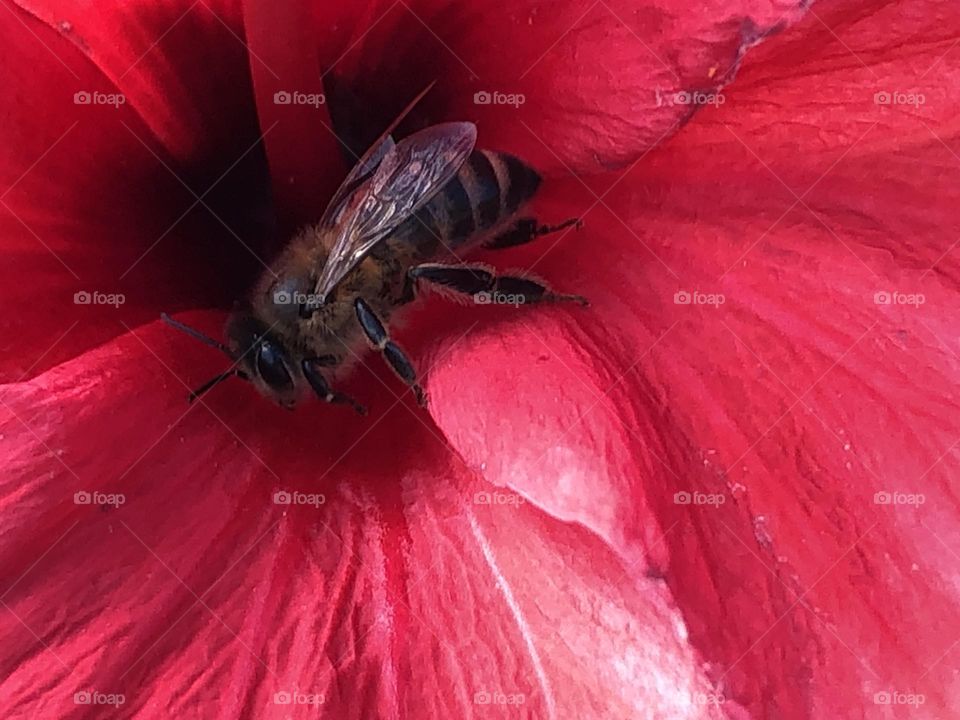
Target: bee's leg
[311,371]
[409,290]
[487,288]
[395,357]
[525,230]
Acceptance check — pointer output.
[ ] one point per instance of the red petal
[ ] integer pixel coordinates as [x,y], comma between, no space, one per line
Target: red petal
[92,202]
[198,594]
[151,53]
[599,80]
[797,400]
[305,155]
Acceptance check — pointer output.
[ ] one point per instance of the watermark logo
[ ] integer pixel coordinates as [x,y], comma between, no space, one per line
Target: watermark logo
[898,498]
[884,297]
[499,298]
[686,297]
[83,497]
[284,97]
[895,697]
[686,97]
[498,98]
[285,297]
[707,698]
[498,498]
[94,697]
[83,97]
[698,498]
[484,697]
[895,97]
[283,497]
[295,697]
[83,297]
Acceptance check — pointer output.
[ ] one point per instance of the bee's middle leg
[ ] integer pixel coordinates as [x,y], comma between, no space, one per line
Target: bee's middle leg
[377,334]
[486,286]
[526,230]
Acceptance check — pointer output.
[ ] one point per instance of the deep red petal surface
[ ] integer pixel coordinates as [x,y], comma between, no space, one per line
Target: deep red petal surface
[599,80]
[152,53]
[403,594]
[406,593]
[798,399]
[100,198]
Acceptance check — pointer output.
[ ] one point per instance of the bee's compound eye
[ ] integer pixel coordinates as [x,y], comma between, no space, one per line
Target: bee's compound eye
[271,367]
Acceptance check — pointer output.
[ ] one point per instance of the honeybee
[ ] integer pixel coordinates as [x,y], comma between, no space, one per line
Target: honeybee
[398,223]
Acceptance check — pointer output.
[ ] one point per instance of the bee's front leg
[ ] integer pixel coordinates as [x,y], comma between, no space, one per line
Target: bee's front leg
[311,371]
[377,334]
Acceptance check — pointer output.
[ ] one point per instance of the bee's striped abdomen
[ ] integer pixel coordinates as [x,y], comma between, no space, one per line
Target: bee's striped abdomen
[488,188]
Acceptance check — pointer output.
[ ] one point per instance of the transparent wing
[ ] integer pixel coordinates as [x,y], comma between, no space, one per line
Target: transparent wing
[360,172]
[367,164]
[409,175]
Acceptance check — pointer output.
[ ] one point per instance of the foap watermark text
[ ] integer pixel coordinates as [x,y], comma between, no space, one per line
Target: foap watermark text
[83,97]
[283,497]
[687,97]
[695,297]
[896,97]
[95,697]
[698,498]
[497,498]
[495,697]
[84,297]
[498,98]
[894,297]
[285,297]
[499,298]
[883,497]
[896,697]
[295,697]
[285,97]
[95,497]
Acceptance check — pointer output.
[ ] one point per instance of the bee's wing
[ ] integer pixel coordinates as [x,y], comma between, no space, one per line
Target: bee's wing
[409,175]
[367,164]
[360,172]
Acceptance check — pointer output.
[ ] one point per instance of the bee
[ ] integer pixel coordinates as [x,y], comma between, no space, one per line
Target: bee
[397,225]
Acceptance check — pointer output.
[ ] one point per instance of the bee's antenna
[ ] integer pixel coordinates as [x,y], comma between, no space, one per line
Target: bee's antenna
[409,107]
[214,381]
[205,339]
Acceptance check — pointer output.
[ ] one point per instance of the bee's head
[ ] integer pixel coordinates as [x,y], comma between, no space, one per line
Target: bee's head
[258,357]
[263,359]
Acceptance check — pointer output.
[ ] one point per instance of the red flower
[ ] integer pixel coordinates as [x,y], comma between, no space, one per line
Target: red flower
[721,491]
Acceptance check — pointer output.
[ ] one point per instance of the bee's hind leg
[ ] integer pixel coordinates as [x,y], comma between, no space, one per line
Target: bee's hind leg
[487,288]
[376,333]
[525,230]
[311,371]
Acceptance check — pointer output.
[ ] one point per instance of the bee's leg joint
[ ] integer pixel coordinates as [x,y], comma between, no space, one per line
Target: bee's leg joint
[486,288]
[397,360]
